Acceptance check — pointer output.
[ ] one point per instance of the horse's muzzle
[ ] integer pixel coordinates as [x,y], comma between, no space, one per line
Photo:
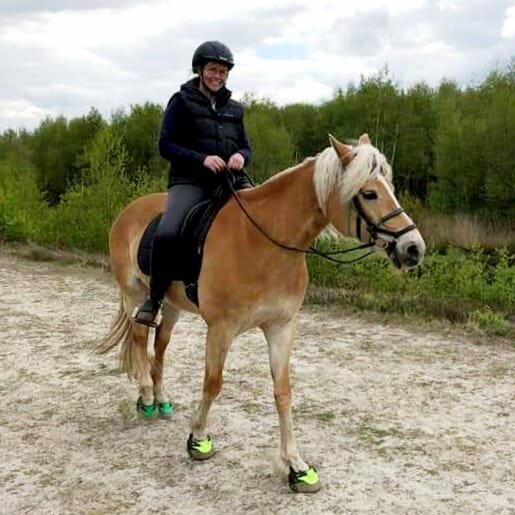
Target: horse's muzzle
[407,251]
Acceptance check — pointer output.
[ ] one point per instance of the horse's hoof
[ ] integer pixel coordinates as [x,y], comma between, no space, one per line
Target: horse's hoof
[200,450]
[306,482]
[148,411]
[165,409]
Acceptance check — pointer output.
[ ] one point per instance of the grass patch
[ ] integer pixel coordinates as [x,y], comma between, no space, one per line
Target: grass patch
[327,416]
[490,322]
[463,230]
[376,435]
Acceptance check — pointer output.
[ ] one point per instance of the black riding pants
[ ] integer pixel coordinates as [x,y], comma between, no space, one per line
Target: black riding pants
[166,257]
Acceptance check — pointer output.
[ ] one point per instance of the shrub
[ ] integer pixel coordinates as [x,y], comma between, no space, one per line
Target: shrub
[21,205]
[83,217]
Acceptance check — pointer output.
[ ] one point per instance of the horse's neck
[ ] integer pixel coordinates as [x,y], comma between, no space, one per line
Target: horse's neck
[288,208]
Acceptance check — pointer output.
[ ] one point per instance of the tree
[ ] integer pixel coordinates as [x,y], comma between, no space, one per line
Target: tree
[272,147]
[140,138]
[303,123]
[499,156]
[57,152]
[413,150]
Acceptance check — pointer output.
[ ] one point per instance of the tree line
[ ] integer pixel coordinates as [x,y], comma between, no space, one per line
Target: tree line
[451,148]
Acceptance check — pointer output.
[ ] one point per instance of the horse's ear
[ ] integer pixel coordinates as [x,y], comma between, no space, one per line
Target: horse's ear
[364,138]
[340,148]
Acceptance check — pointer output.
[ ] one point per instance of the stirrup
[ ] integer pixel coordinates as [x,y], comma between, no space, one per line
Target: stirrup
[147,314]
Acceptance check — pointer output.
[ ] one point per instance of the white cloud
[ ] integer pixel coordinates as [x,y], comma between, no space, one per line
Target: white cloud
[91,29]
[20,110]
[508,28]
[113,53]
[305,90]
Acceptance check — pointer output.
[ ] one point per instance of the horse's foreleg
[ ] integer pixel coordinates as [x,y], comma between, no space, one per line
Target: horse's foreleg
[218,341]
[162,338]
[280,342]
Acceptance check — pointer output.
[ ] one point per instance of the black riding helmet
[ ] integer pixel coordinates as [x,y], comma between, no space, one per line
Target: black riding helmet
[212,51]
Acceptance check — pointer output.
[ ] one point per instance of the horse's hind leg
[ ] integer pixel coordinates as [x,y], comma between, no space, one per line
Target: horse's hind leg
[302,478]
[134,355]
[144,365]
[162,338]
[218,341]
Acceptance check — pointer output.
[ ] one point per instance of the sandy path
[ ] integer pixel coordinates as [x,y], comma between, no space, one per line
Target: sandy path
[397,419]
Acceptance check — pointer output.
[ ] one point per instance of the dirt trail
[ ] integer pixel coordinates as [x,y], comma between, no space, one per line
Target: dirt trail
[397,419]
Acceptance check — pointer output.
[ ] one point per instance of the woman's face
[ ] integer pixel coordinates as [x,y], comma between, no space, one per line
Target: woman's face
[215,75]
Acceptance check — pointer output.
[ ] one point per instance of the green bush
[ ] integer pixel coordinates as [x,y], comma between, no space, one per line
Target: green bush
[83,217]
[450,283]
[21,204]
[490,322]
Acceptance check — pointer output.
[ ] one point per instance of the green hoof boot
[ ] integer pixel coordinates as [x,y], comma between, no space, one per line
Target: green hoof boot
[146,410]
[200,450]
[306,481]
[165,409]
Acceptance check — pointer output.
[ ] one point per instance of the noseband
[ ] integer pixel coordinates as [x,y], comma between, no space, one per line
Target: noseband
[376,229]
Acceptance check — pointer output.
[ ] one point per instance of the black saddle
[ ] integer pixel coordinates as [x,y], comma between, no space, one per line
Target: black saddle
[194,231]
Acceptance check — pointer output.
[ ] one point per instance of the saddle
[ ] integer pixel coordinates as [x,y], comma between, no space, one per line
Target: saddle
[193,234]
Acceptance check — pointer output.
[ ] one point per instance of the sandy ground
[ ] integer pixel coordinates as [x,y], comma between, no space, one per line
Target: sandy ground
[397,418]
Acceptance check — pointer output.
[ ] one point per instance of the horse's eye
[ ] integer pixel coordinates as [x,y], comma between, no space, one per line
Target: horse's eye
[369,195]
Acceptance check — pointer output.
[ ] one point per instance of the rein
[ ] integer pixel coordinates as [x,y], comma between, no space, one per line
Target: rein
[310,250]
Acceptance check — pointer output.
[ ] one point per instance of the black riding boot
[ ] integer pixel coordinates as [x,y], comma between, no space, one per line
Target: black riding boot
[149,312]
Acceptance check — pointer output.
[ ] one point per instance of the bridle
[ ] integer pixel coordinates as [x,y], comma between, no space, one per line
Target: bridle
[377,232]
[375,229]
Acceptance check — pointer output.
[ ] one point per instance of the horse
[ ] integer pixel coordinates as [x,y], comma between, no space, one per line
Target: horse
[254,274]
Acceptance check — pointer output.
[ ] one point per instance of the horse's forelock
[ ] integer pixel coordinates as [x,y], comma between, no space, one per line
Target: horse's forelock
[366,163]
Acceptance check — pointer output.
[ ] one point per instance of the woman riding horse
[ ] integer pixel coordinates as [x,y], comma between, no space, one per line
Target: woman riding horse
[202,133]
[348,187]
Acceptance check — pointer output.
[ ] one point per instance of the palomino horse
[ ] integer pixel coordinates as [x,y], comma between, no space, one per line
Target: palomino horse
[343,186]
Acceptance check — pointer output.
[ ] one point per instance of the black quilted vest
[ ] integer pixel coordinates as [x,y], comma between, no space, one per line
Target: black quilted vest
[216,129]
[206,129]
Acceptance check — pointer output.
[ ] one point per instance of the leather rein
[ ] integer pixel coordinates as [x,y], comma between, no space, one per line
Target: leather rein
[375,229]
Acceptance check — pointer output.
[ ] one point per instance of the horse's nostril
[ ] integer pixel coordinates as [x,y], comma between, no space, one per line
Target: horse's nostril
[413,251]
[412,255]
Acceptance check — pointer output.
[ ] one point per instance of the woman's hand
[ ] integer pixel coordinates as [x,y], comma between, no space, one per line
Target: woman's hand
[236,161]
[214,163]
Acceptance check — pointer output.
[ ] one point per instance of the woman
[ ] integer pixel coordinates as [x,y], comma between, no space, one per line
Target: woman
[202,133]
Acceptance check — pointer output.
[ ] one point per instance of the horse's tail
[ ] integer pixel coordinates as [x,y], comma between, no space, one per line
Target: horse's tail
[124,235]
[119,332]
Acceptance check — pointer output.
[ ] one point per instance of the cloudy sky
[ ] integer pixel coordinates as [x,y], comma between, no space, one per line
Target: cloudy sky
[66,56]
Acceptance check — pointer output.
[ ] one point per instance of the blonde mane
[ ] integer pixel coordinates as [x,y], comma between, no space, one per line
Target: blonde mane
[366,163]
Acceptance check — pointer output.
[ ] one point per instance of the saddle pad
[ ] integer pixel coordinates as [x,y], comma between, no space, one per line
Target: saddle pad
[193,233]
[145,245]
